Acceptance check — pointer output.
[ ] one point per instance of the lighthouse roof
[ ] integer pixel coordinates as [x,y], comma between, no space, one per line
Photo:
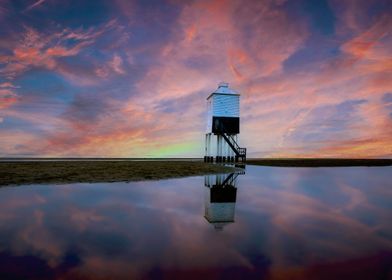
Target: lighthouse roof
[223,88]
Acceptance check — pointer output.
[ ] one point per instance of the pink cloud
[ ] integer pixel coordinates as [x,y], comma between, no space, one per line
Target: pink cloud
[35,4]
[7,85]
[117,64]
[42,50]
[7,98]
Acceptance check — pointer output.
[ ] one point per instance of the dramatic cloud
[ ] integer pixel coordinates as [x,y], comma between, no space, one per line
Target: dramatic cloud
[130,78]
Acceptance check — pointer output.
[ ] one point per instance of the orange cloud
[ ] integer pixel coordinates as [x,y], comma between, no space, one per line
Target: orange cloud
[190,33]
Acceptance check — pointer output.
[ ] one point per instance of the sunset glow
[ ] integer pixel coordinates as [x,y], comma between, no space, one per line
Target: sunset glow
[130,78]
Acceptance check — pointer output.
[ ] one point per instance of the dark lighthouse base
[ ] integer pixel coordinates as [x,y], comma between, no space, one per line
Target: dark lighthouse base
[224,159]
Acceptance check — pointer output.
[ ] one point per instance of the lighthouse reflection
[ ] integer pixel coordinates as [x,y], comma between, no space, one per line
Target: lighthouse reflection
[220,198]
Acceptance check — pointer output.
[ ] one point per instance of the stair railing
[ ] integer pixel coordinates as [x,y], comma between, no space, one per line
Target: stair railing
[231,141]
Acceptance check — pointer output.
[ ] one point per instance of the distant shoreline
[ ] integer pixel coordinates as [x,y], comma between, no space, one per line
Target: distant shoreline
[284,162]
[319,162]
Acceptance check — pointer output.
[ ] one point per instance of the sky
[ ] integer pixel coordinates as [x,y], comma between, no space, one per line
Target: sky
[130,78]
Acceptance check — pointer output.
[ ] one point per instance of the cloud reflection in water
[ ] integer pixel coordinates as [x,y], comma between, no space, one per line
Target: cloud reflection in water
[289,222]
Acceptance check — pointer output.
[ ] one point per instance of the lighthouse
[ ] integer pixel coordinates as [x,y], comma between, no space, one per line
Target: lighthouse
[220,198]
[223,126]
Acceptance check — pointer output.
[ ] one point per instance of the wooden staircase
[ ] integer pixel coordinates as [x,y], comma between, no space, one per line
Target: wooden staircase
[240,153]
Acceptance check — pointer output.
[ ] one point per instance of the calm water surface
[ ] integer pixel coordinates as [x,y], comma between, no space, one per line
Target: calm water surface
[270,223]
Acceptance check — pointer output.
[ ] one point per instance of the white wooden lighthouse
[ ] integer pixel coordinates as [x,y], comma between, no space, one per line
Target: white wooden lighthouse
[220,198]
[223,126]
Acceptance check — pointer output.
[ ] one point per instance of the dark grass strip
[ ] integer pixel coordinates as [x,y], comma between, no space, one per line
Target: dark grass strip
[62,172]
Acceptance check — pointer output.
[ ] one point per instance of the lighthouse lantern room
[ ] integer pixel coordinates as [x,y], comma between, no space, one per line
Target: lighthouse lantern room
[223,126]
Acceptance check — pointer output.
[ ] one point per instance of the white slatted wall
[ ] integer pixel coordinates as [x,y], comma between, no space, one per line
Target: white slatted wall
[225,105]
[209,115]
